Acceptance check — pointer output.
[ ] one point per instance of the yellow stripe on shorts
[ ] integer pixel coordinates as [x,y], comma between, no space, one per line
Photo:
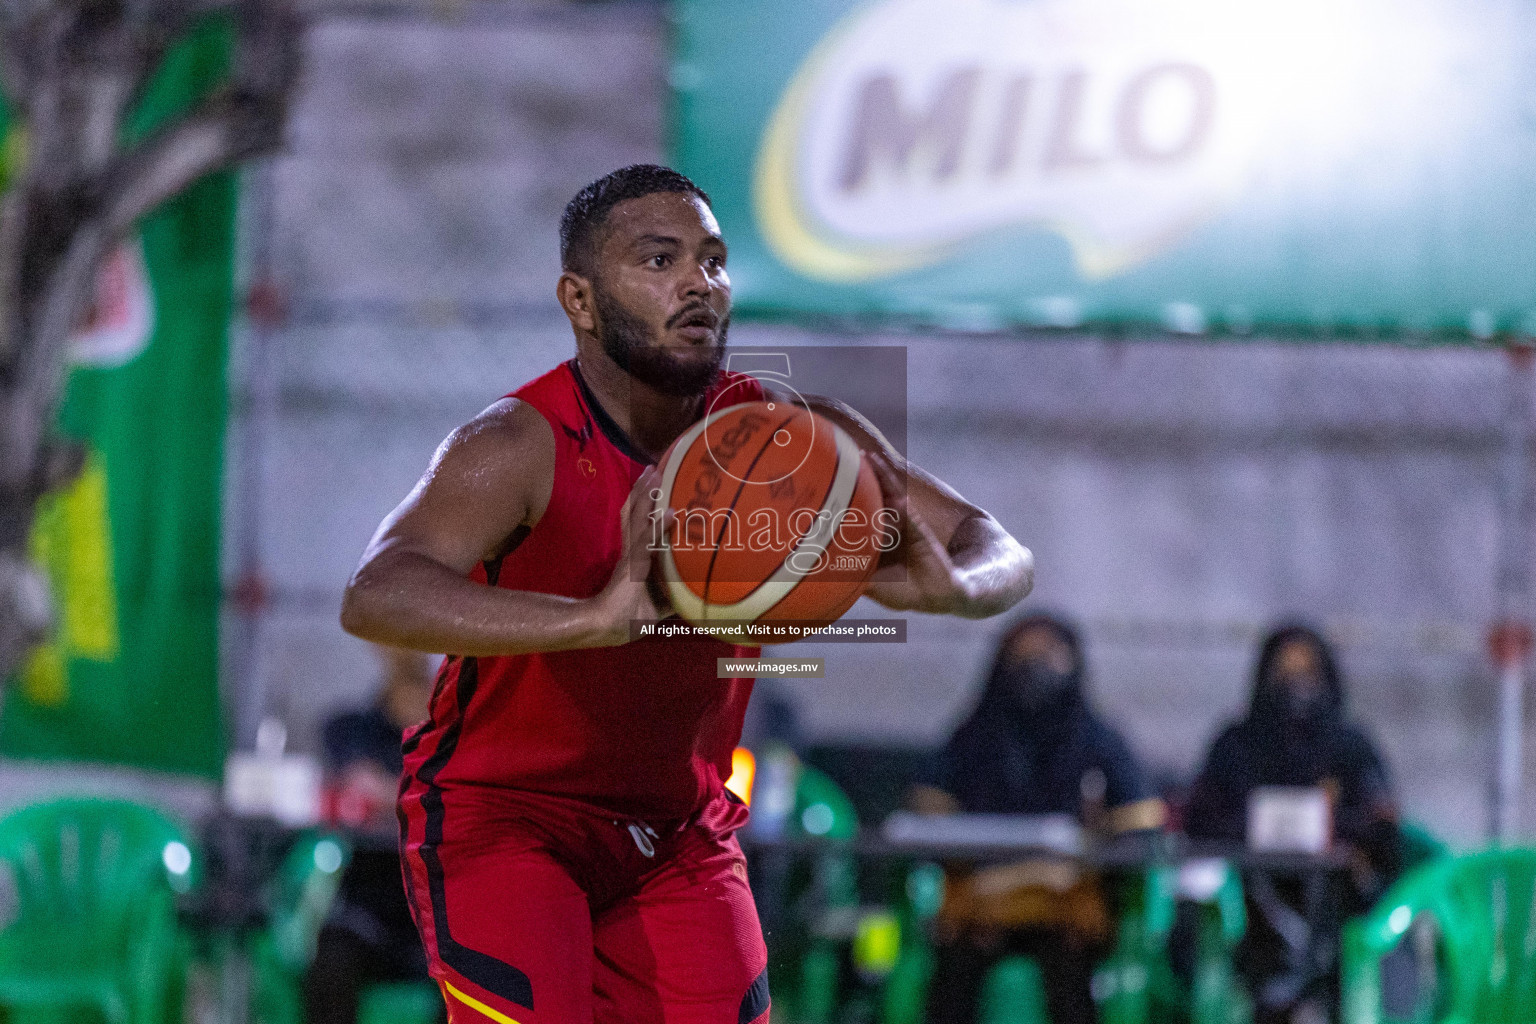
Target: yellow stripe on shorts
[475,1004]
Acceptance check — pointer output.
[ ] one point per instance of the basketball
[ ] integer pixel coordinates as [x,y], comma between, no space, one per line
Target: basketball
[777,517]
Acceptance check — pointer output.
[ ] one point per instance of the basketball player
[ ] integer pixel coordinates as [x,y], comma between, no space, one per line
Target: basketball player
[567,841]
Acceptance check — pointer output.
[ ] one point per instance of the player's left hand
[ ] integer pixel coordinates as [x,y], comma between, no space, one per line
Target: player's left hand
[922,578]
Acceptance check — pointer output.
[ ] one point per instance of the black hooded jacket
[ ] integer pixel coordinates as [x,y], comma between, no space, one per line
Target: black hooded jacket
[1269,747]
[1003,761]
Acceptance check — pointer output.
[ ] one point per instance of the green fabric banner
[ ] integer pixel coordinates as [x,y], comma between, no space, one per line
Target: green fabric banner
[1322,168]
[132,546]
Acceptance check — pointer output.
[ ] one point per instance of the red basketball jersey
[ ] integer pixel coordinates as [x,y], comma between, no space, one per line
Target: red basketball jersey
[643,730]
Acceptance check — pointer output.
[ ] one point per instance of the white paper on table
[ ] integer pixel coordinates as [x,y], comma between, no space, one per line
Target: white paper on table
[285,787]
[1289,819]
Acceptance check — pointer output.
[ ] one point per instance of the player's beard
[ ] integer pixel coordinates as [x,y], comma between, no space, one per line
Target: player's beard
[630,342]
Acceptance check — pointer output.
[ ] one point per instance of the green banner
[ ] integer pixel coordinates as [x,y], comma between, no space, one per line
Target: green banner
[1355,168]
[132,546]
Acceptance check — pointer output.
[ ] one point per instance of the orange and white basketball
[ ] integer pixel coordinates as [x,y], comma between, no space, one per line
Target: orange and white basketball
[778,517]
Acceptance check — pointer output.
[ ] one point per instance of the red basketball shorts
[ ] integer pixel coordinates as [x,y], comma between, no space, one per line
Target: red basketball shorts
[542,910]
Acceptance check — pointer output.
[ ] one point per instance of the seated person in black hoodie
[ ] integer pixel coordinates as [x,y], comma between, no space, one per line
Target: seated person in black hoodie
[1032,746]
[1296,734]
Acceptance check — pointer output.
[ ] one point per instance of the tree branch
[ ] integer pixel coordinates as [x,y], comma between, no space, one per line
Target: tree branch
[241,121]
[138,181]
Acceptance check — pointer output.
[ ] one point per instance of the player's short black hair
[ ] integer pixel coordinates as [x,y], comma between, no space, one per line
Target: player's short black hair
[585,213]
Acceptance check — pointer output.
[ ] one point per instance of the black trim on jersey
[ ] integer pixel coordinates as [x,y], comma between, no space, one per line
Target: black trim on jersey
[411,742]
[755,1003]
[403,845]
[493,975]
[407,748]
[611,430]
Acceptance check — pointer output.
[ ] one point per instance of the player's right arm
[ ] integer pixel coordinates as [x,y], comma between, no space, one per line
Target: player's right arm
[489,478]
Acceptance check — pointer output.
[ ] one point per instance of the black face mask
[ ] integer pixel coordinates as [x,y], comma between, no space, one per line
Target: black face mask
[1036,689]
[1298,700]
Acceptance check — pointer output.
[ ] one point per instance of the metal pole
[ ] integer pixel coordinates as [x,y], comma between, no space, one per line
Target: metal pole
[1509,640]
[263,318]
[1509,637]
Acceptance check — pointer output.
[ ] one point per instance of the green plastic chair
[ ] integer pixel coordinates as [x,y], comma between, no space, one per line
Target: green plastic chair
[400,1003]
[1136,975]
[88,893]
[1420,845]
[299,899]
[906,987]
[823,810]
[1136,984]
[1216,994]
[1014,993]
[1481,910]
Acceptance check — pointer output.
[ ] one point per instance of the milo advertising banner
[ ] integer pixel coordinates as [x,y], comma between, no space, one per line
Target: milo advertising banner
[131,547]
[1313,167]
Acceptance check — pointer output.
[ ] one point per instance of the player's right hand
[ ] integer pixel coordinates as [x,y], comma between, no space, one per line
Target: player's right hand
[630,596]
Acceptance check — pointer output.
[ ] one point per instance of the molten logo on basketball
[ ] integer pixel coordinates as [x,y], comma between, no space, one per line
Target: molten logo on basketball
[723,454]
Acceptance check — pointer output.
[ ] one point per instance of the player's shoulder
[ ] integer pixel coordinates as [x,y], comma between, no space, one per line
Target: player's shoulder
[506,420]
[503,458]
[519,419]
[509,433]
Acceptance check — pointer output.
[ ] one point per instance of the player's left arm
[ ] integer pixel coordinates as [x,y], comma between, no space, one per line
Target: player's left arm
[954,558]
